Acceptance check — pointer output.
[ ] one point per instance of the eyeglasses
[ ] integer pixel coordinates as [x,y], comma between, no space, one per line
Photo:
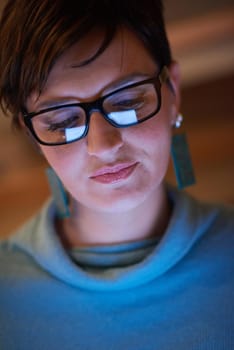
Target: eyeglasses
[127,106]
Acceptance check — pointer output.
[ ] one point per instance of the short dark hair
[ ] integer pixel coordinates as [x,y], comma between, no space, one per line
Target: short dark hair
[34,33]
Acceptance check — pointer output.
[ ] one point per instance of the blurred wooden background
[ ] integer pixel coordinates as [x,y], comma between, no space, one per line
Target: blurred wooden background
[202,37]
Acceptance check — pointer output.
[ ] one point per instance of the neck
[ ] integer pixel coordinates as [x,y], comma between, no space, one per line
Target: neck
[89,227]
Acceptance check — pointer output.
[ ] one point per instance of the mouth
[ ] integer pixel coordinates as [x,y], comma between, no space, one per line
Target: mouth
[115,173]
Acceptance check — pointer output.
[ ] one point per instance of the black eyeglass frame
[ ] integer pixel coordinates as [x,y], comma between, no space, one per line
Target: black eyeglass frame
[97,105]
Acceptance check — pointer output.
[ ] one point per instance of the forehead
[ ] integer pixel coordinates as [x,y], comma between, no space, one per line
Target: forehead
[124,51]
[125,56]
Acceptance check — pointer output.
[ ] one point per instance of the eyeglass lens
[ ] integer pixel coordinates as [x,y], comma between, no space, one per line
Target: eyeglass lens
[123,108]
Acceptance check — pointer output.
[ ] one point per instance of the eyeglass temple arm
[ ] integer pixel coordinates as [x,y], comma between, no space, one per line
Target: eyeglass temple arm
[164,77]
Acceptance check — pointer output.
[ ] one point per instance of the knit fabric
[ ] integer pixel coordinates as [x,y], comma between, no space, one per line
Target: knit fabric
[177,293]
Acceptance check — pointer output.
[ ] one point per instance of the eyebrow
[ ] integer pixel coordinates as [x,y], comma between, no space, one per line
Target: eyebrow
[129,79]
[54,102]
[118,84]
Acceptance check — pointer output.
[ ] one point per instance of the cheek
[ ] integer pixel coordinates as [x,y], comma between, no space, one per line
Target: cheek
[153,136]
[63,158]
[152,139]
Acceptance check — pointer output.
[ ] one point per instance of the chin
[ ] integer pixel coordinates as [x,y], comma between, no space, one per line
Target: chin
[117,201]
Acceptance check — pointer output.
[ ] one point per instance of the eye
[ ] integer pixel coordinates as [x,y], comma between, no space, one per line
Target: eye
[129,99]
[129,103]
[66,123]
[60,119]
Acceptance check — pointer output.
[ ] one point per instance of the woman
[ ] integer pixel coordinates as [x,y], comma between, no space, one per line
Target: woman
[118,260]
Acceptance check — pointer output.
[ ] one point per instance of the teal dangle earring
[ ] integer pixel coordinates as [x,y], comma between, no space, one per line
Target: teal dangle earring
[59,194]
[181,157]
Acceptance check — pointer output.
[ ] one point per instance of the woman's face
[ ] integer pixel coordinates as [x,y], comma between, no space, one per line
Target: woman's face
[110,170]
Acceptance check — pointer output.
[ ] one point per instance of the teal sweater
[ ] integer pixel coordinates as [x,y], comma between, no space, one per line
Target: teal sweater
[175,294]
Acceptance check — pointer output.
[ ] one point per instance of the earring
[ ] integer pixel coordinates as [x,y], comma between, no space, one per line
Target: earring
[181,157]
[58,193]
[179,121]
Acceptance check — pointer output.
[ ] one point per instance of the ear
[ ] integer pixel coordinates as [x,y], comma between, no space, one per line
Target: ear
[21,121]
[175,78]
[23,126]
[31,139]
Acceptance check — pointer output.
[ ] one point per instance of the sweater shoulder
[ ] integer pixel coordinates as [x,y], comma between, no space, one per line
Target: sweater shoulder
[215,224]
[16,250]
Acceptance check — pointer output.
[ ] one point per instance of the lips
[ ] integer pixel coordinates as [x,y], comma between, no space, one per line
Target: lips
[115,173]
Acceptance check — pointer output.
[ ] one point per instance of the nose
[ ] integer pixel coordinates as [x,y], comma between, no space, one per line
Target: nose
[103,138]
